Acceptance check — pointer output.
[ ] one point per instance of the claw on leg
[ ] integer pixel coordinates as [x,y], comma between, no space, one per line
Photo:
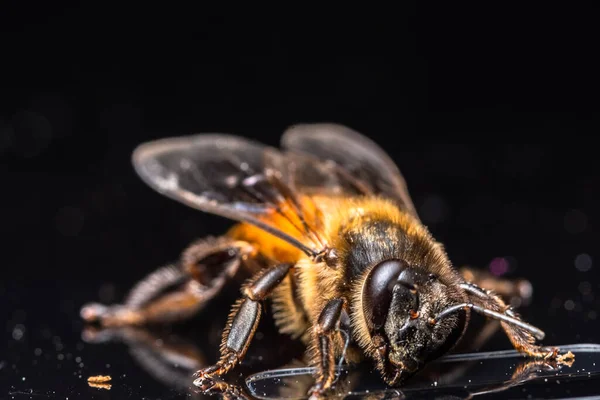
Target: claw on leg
[110,316]
[209,383]
[566,359]
[209,377]
[316,392]
[93,312]
[552,354]
[548,354]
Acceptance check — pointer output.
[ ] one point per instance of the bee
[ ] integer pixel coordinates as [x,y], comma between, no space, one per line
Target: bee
[328,230]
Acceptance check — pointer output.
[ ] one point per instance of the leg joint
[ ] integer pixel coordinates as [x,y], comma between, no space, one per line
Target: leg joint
[260,288]
[330,316]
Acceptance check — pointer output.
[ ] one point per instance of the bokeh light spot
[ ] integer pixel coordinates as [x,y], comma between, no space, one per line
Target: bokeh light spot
[583,262]
[499,266]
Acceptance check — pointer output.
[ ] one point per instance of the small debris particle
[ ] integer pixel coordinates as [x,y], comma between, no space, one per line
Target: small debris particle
[100,381]
[99,378]
[105,386]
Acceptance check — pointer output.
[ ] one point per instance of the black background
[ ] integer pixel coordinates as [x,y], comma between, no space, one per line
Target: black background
[490,112]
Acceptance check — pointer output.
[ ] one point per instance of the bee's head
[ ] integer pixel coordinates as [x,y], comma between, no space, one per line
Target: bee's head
[400,305]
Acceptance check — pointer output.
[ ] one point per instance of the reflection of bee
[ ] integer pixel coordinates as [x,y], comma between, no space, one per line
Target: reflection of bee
[329,229]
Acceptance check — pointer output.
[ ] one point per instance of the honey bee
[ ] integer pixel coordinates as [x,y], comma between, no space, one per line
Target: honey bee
[328,229]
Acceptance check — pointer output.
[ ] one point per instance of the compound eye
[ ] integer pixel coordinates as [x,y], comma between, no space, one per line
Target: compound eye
[378,291]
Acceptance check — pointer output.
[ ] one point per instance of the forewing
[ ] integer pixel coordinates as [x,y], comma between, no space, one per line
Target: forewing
[364,163]
[229,176]
[308,175]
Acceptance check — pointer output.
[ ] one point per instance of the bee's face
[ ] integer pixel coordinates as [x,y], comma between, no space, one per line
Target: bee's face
[401,304]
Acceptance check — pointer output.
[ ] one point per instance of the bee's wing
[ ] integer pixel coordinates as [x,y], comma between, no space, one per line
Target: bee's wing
[232,177]
[360,157]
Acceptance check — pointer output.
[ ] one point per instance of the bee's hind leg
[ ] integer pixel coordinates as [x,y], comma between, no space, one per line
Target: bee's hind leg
[131,312]
[174,293]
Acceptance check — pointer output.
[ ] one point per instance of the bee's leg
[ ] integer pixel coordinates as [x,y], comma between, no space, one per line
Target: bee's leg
[240,328]
[131,312]
[521,339]
[325,345]
[175,293]
[517,291]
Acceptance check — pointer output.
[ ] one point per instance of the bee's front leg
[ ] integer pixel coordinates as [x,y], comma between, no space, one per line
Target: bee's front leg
[241,326]
[324,337]
[521,339]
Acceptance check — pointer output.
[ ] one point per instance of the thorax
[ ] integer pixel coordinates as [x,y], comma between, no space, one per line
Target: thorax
[361,230]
